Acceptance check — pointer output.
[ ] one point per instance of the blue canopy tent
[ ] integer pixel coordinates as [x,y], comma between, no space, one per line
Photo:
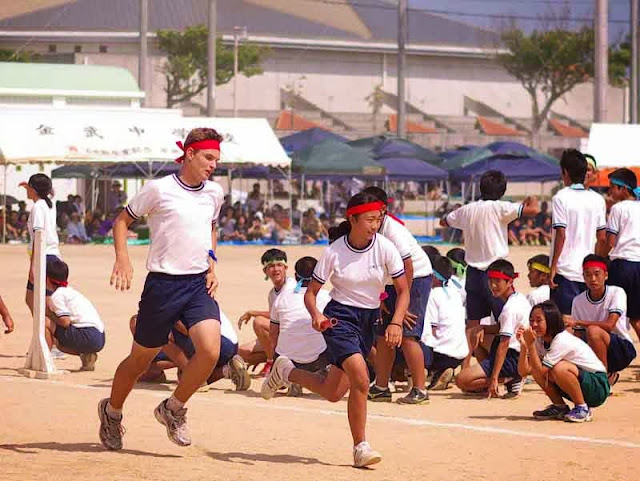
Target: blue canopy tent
[519,169]
[305,138]
[409,168]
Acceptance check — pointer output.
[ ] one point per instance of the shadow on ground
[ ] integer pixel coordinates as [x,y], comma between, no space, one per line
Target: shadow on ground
[31,448]
[250,459]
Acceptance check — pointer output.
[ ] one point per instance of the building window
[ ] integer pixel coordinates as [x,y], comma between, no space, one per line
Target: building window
[77,48]
[53,49]
[103,49]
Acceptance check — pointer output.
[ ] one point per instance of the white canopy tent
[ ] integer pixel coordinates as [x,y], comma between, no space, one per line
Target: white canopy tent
[615,145]
[98,136]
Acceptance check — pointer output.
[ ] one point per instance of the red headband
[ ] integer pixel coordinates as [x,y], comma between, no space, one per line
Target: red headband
[200,145]
[58,283]
[501,275]
[370,207]
[599,264]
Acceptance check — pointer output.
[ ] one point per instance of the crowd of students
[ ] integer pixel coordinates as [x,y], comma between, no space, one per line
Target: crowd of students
[396,312]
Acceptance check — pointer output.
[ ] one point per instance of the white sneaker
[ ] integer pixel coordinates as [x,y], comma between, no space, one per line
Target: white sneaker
[57,353]
[275,380]
[364,455]
[176,423]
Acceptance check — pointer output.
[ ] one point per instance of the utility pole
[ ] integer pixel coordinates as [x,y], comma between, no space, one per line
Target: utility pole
[239,33]
[144,53]
[633,84]
[402,41]
[211,57]
[601,61]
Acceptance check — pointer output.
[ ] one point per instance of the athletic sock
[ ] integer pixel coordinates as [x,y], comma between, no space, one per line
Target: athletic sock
[174,404]
[583,406]
[286,370]
[226,371]
[113,412]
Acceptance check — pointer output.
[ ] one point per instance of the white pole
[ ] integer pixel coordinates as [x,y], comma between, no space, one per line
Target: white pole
[39,363]
[601,61]
[143,56]
[4,224]
[211,57]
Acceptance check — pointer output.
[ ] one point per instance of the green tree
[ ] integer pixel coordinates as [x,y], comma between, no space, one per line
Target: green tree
[551,63]
[11,56]
[186,67]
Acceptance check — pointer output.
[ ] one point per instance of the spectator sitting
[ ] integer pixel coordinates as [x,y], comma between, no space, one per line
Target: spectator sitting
[116,198]
[227,225]
[312,228]
[255,198]
[529,233]
[240,232]
[21,226]
[514,232]
[76,232]
[544,232]
[22,207]
[271,231]
[107,224]
[255,229]
[93,228]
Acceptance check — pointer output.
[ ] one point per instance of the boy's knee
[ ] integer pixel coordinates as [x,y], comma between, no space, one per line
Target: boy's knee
[594,333]
[334,397]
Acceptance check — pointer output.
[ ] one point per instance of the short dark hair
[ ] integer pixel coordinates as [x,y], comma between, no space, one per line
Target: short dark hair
[457,255]
[539,259]
[304,268]
[202,133]
[442,266]
[57,270]
[338,231]
[504,266]
[552,316]
[596,258]
[626,176]
[493,185]
[379,193]
[273,255]
[431,251]
[575,164]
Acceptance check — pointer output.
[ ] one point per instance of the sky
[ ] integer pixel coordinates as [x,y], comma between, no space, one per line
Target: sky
[492,13]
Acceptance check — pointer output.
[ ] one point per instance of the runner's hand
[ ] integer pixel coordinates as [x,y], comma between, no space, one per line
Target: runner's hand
[8,322]
[317,323]
[393,335]
[212,283]
[410,320]
[552,277]
[122,274]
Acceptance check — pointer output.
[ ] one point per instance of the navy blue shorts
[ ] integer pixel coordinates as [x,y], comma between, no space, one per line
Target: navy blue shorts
[620,353]
[319,364]
[83,340]
[510,366]
[31,287]
[626,274]
[167,299]
[442,362]
[228,349]
[565,293]
[480,302]
[354,333]
[427,354]
[420,290]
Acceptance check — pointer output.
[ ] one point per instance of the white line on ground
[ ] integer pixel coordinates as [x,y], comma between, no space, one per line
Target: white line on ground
[380,417]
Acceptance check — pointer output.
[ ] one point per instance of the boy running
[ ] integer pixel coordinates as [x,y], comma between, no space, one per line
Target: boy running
[578,222]
[601,312]
[502,363]
[484,224]
[183,211]
[418,270]
[623,240]
[562,365]
[539,279]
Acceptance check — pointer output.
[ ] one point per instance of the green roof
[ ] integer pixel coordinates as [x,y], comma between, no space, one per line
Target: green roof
[44,76]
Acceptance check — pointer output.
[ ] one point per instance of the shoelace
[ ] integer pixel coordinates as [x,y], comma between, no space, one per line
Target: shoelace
[115,426]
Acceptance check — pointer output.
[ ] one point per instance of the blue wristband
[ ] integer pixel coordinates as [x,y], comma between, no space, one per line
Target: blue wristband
[213,256]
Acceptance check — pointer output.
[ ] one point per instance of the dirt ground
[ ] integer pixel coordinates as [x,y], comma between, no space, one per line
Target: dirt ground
[48,429]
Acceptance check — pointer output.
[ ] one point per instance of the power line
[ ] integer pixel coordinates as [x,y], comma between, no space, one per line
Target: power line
[469,14]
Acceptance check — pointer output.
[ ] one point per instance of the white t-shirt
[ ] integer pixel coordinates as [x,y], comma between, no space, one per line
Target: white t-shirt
[69,302]
[484,224]
[297,339]
[539,294]
[407,246]
[459,284]
[567,347]
[582,213]
[614,301]
[289,282]
[515,313]
[624,221]
[42,217]
[226,328]
[180,218]
[446,314]
[358,276]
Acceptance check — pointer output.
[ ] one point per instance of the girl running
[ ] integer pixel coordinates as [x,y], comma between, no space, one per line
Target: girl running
[357,264]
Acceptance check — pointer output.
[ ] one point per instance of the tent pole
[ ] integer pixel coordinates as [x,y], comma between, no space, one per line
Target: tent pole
[4,223]
[290,199]
[230,182]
